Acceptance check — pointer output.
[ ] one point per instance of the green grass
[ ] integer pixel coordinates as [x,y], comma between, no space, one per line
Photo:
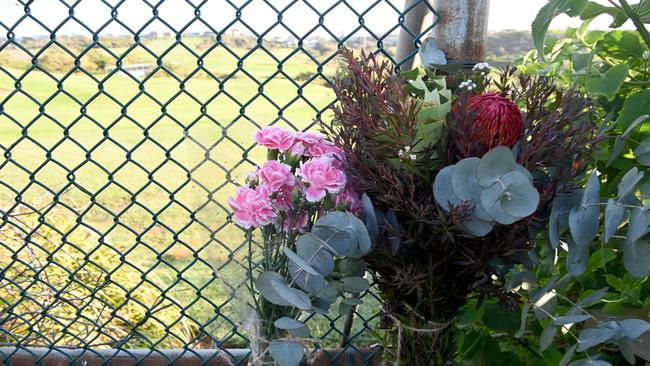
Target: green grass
[151,182]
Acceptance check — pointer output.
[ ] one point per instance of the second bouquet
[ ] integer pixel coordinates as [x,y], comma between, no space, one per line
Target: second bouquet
[304,238]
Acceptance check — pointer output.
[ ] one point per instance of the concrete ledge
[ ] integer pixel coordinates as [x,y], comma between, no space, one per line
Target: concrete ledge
[42,356]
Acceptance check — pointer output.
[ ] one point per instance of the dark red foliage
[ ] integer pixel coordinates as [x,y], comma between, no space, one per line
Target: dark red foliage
[497,122]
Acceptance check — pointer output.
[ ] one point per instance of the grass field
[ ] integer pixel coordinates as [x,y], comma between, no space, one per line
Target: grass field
[148,169]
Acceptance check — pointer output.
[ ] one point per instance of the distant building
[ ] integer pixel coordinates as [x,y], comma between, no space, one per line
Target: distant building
[136,70]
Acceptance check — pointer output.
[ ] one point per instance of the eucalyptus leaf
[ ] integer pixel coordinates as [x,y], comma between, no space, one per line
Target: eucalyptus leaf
[395,232]
[355,284]
[335,219]
[477,227]
[568,355]
[442,190]
[524,316]
[310,246]
[360,231]
[295,258]
[584,221]
[371,219]
[292,296]
[559,218]
[521,200]
[629,182]
[431,54]
[497,213]
[545,305]
[546,339]
[593,297]
[570,319]
[642,153]
[576,262]
[495,164]
[293,326]
[492,195]
[464,182]
[286,353]
[625,345]
[614,215]
[311,283]
[330,292]
[639,224]
[264,282]
[590,362]
[352,301]
[320,306]
[594,336]
[349,266]
[634,328]
[334,240]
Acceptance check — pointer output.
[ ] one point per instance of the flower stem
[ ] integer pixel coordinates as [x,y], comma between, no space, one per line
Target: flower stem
[636,20]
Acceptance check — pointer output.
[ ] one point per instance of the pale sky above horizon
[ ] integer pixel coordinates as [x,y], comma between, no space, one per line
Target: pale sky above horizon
[504,14]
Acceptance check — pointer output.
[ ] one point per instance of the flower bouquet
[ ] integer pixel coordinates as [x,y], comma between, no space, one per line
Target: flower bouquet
[304,239]
[457,183]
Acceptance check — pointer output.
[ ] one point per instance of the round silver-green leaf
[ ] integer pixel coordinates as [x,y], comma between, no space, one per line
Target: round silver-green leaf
[477,227]
[296,259]
[293,326]
[311,283]
[442,191]
[264,284]
[642,153]
[311,247]
[338,242]
[636,258]
[495,164]
[521,199]
[464,182]
[355,284]
[286,353]
[614,215]
[584,223]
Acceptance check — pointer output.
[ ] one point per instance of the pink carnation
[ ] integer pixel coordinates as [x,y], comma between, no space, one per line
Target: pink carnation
[323,176]
[275,174]
[299,225]
[309,138]
[324,148]
[276,138]
[298,150]
[252,207]
[350,199]
[283,198]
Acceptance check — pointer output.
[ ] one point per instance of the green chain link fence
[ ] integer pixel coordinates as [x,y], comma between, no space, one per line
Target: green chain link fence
[124,126]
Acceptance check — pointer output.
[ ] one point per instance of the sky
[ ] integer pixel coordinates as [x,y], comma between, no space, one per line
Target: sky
[300,18]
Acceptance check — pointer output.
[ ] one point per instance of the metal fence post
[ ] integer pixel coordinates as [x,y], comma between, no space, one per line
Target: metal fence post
[462,31]
[417,14]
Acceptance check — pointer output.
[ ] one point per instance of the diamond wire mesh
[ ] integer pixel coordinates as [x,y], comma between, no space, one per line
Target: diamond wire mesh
[124,125]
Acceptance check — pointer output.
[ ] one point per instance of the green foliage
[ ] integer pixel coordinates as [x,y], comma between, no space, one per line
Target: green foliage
[587,279]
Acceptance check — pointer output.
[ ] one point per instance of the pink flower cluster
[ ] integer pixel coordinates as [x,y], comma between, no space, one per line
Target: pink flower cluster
[284,195]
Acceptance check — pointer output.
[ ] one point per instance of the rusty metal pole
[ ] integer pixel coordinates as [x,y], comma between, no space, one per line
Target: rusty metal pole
[462,30]
[417,14]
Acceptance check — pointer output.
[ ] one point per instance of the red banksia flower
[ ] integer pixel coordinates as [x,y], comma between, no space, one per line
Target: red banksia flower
[498,121]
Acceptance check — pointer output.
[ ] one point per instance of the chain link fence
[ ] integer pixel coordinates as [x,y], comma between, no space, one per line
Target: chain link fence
[124,126]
